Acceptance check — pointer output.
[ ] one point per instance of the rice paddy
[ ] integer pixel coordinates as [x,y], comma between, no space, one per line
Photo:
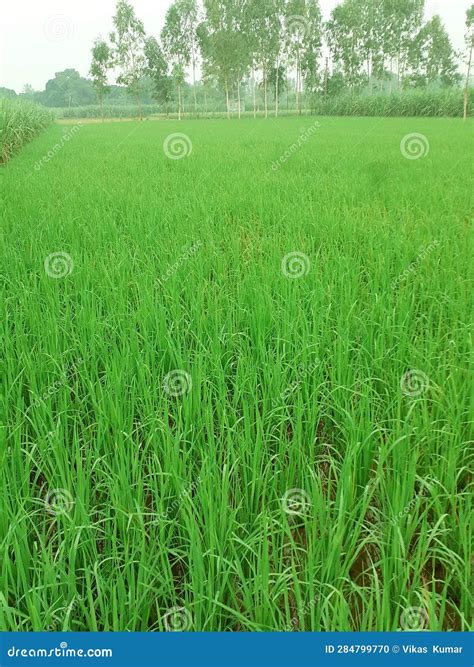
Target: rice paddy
[235,376]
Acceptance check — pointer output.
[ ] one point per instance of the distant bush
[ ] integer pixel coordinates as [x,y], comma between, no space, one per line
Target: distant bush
[448,103]
[20,122]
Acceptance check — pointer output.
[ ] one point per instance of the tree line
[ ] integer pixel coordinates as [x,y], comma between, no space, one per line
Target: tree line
[256,51]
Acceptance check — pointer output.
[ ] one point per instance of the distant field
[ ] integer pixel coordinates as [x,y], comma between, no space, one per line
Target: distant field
[238,398]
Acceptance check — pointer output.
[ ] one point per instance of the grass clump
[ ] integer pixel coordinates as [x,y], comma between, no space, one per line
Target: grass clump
[20,122]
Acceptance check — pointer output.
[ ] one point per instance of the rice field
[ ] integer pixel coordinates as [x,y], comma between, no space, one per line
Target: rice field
[235,376]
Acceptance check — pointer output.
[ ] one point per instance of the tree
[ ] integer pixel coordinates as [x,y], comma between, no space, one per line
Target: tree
[403,20]
[345,40]
[157,71]
[129,42]
[67,89]
[470,46]
[312,42]
[220,44]
[431,56]
[101,63]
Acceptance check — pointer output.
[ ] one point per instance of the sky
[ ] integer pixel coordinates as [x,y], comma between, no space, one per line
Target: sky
[41,37]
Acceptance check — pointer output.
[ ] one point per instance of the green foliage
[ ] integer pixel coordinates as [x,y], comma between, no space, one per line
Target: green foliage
[20,122]
[447,103]
[177,501]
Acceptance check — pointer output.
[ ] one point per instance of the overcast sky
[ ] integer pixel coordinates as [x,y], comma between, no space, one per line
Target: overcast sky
[41,37]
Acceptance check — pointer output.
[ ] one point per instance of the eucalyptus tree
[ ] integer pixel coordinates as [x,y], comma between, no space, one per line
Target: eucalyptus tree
[345,39]
[431,57]
[176,43]
[312,42]
[100,65]
[265,18]
[470,47]
[157,72]
[128,40]
[221,44]
[404,19]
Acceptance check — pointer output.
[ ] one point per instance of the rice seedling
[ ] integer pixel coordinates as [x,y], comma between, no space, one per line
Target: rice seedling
[237,397]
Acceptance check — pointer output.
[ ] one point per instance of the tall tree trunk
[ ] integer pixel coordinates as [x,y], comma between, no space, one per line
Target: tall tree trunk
[265,95]
[254,93]
[139,104]
[326,78]
[227,99]
[194,81]
[102,107]
[238,97]
[205,100]
[468,76]
[277,88]
[179,101]
[298,74]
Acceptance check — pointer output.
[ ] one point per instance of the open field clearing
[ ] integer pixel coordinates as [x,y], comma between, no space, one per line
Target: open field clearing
[235,380]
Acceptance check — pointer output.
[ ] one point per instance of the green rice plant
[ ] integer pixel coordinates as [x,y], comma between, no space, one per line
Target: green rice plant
[20,122]
[236,397]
